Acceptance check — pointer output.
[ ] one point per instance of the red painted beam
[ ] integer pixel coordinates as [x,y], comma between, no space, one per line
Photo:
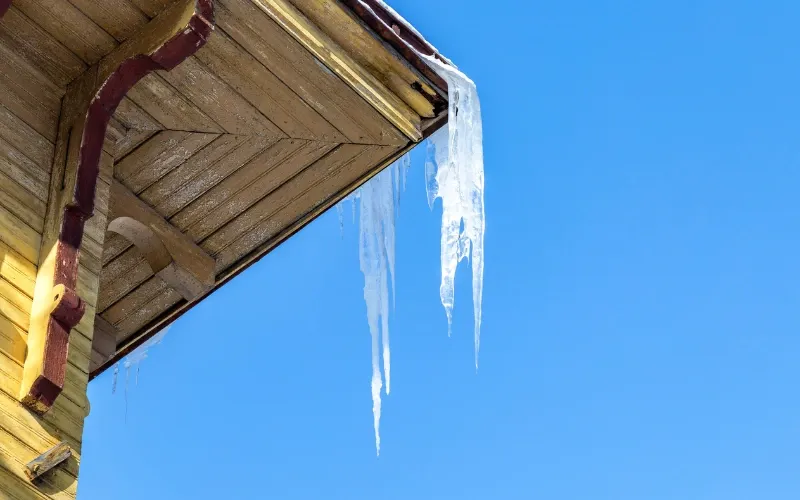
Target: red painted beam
[4,5]
[68,307]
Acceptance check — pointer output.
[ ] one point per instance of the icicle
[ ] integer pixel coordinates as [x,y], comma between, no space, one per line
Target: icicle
[114,379]
[454,173]
[340,212]
[134,360]
[377,202]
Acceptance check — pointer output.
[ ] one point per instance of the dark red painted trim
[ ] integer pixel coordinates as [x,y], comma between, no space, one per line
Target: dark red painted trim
[4,5]
[394,32]
[102,106]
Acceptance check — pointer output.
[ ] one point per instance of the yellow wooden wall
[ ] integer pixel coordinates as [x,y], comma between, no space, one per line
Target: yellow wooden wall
[29,110]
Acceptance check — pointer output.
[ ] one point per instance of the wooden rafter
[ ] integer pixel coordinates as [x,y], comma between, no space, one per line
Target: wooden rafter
[88,105]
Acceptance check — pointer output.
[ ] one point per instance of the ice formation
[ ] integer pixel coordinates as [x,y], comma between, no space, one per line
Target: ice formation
[134,359]
[454,173]
[378,201]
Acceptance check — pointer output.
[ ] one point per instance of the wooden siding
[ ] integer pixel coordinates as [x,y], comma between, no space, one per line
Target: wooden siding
[34,67]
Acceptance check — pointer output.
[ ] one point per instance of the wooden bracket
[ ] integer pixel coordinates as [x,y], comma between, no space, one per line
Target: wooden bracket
[172,255]
[87,107]
[47,461]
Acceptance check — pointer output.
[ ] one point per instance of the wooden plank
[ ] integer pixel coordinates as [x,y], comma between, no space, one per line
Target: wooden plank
[302,72]
[119,18]
[36,45]
[132,140]
[22,203]
[159,148]
[343,156]
[88,284]
[271,179]
[245,187]
[203,160]
[13,345]
[47,461]
[18,135]
[28,94]
[390,68]
[169,107]
[15,304]
[147,290]
[122,276]
[163,152]
[104,342]
[265,91]
[133,116]
[171,195]
[296,198]
[171,255]
[69,26]
[19,236]
[219,101]
[341,63]
[23,172]
[17,270]
[140,317]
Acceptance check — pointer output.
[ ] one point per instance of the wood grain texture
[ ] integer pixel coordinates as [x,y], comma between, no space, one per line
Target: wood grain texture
[266,92]
[29,94]
[341,63]
[219,101]
[383,63]
[48,461]
[25,37]
[118,18]
[298,69]
[169,107]
[158,156]
[69,26]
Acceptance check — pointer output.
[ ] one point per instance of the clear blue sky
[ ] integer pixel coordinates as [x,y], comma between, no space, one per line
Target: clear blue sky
[641,300]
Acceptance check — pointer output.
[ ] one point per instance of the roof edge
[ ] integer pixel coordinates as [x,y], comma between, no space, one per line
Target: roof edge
[400,35]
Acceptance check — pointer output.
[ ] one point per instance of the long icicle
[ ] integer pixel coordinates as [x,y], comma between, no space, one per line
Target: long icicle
[377,200]
[454,173]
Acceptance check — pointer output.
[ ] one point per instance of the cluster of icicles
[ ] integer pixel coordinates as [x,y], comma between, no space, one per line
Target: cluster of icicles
[454,173]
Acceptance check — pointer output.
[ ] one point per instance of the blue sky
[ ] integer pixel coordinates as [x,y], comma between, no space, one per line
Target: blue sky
[641,299]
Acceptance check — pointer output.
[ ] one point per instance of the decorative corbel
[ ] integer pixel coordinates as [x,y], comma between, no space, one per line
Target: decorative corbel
[87,107]
[172,255]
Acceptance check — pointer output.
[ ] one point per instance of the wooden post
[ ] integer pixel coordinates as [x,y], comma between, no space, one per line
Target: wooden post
[87,108]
